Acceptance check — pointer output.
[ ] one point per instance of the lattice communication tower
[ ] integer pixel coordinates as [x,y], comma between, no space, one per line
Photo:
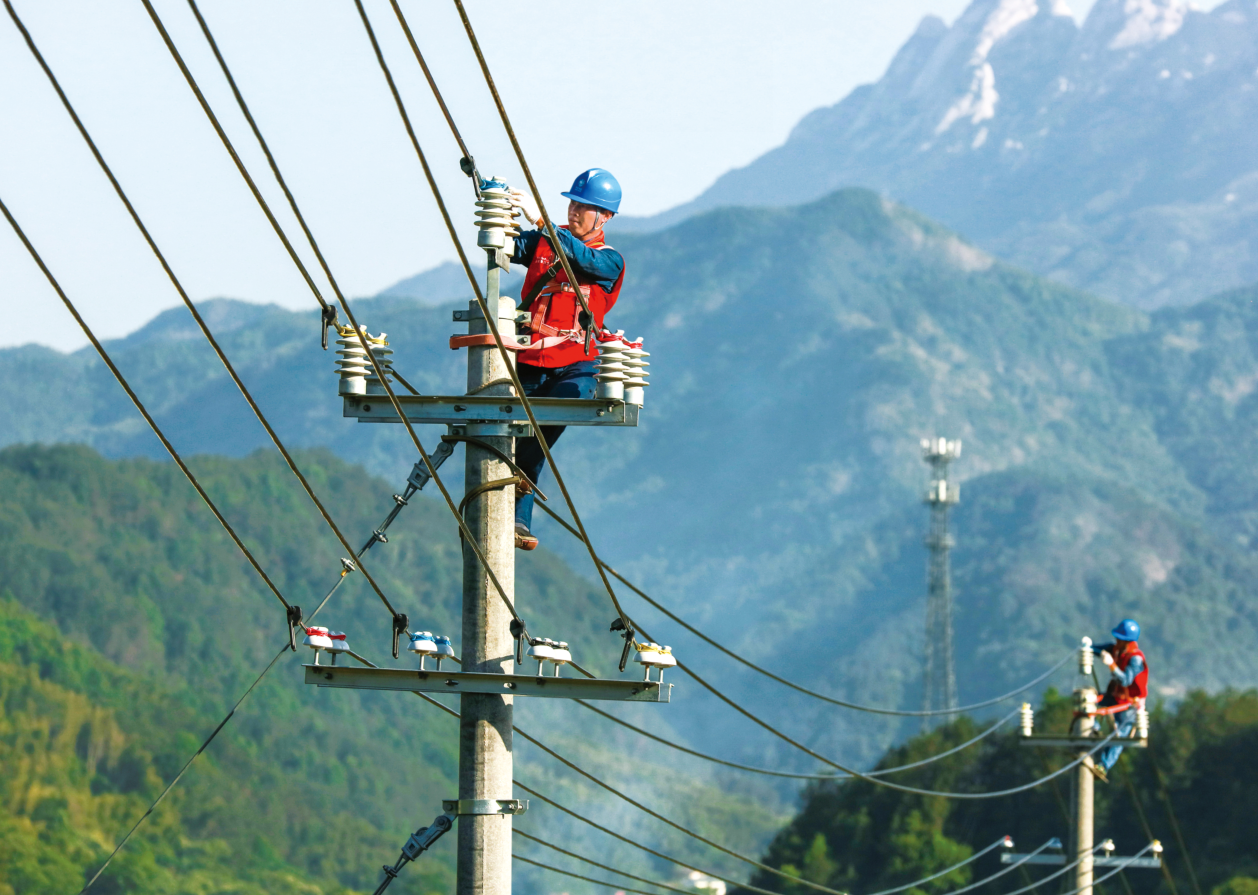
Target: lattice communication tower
[939,681]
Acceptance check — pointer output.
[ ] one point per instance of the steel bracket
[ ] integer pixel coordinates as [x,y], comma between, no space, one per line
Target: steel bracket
[481,409]
[432,681]
[481,807]
[1069,742]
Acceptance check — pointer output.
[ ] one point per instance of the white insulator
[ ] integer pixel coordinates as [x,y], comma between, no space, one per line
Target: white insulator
[495,218]
[352,364]
[384,357]
[445,649]
[422,644]
[654,654]
[635,359]
[542,648]
[1085,656]
[358,376]
[1142,724]
[1027,719]
[317,638]
[562,655]
[338,642]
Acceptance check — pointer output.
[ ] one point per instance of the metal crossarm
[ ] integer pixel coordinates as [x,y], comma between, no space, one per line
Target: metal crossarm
[462,409]
[459,682]
[1060,860]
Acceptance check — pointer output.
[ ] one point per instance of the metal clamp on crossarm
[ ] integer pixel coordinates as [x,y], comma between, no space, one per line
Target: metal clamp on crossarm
[294,619]
[400,624]
[421,840]
[483,807]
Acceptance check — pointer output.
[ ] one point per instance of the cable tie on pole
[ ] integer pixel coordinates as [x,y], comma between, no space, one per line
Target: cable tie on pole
[294,619]
[400,624]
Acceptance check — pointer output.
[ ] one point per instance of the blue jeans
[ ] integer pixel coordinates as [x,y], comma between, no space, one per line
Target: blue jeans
[573,381]
[1125,721]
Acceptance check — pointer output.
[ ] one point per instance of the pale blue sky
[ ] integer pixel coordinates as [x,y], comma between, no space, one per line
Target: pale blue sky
[666,95]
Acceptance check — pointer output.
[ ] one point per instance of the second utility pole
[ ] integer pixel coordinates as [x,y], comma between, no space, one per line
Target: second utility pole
[484,849]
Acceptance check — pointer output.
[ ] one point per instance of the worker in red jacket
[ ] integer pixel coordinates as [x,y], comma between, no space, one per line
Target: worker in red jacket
[1129,685]
[557,364]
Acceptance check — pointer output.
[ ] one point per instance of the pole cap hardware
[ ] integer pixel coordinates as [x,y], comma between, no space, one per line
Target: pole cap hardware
[485,806]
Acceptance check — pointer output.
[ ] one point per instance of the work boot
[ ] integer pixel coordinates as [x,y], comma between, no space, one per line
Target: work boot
[524,539]
[1098,772]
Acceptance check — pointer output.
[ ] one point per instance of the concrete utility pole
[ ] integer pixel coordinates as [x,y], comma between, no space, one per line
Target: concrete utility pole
[939,679]
[485,764]
[1081,740]
[1081,804]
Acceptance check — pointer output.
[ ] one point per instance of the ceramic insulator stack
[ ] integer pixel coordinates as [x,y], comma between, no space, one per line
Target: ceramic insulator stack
[317,639]
[1085,656]
[358,376]
[635,360]
[612,371]
[494,217]
[1027,719]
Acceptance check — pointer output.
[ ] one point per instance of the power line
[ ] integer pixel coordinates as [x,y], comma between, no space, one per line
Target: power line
[597,882]
[184,769]
[834,776]
[781,680]
[139,405]
[593,863]
[854,773]
[491,318]
[170,273]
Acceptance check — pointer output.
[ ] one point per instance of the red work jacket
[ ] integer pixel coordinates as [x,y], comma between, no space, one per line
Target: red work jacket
[558,339]
[1138,689]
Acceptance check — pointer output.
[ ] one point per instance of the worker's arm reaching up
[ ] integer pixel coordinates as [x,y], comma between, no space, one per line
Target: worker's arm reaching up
[602,265]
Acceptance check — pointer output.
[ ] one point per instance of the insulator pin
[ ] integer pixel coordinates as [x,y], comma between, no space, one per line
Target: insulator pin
[358,376]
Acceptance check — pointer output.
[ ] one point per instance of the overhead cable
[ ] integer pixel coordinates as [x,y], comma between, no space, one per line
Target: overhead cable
[139,405]
[491,318]
[432,469]
[831,776]
[170,273]
[781,680]
[849,771]
[1124,863]
[603,829]
[597,882]
[187,764]
[1051,843]
[593,863]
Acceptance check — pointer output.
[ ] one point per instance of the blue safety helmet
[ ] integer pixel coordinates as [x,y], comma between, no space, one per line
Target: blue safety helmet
[1127,629]
[596,187]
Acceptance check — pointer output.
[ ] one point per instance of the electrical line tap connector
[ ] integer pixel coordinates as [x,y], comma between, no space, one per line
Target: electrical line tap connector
[1085,657]
[422,645]
[495,216]
[635,359]
[612,371]
[445,649]
[317,639]
[1026,718]
[338,644]
[1142,723]
[652,655]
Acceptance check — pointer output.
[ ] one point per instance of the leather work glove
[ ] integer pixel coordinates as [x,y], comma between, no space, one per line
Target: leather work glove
[524,202]
[1107,659]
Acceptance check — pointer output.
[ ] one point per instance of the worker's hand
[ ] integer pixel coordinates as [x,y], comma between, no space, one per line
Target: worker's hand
[1106,659]
[525,203]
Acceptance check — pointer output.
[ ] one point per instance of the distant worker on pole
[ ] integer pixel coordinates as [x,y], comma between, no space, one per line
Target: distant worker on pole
[557,364]
[1128,687]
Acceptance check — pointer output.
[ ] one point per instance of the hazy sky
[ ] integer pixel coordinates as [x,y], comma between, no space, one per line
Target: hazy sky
[666,95]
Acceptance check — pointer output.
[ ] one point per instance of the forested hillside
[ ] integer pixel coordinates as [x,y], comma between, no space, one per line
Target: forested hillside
[772,491]
[1198,772]
[130,624]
